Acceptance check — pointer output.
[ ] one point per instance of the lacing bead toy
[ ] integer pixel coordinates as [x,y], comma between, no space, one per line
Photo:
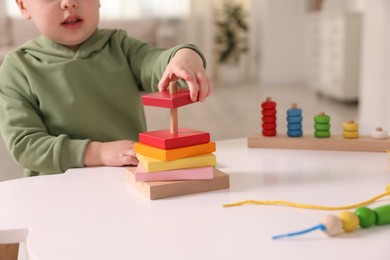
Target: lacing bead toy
[269,117]
[334,225]
[350,130]
[322,125]
[294,121]
[379,134]
[347,221]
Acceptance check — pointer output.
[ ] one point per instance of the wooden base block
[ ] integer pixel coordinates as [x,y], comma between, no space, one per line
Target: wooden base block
[167,100]
[174,154]
[166,189]
[333,143]
[155,165]
[165,140]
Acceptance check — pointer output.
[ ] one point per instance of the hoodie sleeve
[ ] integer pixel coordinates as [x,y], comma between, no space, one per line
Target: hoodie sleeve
[23,131]
[148,63]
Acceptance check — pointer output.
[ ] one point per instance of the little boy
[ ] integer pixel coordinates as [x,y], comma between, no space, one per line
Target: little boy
[71,98]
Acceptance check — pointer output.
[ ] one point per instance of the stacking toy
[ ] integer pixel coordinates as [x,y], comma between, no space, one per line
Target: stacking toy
[268,117]
[294,121]
[350,130]
[322,125]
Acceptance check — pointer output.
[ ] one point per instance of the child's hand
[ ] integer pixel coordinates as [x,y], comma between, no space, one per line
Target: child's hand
[118,153]
[187,65]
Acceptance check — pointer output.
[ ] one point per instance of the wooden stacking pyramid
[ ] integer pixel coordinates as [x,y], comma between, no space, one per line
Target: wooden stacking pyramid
[176,161]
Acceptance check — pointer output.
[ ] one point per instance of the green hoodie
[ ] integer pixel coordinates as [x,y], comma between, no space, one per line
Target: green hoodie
[54,101]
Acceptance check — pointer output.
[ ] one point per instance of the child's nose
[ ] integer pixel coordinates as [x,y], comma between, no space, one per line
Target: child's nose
[66,4]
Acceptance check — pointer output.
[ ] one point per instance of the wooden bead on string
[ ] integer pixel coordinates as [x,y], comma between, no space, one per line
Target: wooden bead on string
[347,221]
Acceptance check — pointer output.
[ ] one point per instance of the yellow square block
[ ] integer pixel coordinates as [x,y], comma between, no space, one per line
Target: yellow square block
[174,154]
[154,165]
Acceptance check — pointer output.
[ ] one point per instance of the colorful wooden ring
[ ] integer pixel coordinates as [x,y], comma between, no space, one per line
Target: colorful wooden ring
[269,132]
[294,119]
[268,119]
[322,134]
[268,112]
[322,127]
[322,119]
[269,126]
[294,126]
[294,112]
[379,134]
[268,105]
[351,126]
[350,135]
[294,133]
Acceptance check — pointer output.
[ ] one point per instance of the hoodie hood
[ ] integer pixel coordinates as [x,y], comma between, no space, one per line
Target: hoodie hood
[48,51]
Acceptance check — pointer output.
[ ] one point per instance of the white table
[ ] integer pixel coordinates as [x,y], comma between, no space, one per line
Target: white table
[95,214]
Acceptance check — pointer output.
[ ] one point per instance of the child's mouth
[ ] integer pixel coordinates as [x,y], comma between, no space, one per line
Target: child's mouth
[72,23]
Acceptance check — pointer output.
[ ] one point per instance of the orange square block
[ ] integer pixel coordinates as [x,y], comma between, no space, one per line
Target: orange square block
[174,154]
[167,100]
[165,140]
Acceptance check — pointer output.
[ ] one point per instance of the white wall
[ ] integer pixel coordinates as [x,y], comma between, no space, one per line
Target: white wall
[374,107]
[282,42]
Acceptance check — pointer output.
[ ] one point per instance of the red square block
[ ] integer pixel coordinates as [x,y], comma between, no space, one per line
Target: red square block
[167,100]
[165,140]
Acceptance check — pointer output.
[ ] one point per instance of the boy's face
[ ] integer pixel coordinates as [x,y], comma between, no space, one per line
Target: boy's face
[67,22]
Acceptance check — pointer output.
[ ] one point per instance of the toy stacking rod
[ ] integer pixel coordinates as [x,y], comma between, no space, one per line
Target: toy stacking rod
[174,125]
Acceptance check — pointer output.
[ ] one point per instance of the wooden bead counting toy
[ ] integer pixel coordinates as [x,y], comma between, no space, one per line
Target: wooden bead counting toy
[175,161]
[347,221]
[268,111]
[333,225]
[350,129]
[322,139]
[294,121]
[322,125]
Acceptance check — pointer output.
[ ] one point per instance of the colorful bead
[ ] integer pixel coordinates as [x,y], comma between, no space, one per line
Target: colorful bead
[333,224]
[322,134]
[382,215]
[269,117]
[350,221]
[322,118]
[367,217]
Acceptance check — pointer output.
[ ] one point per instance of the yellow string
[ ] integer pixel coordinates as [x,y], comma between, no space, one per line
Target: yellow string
[309,206]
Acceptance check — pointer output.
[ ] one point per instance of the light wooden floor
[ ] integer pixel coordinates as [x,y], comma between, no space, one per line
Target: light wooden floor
[234,111]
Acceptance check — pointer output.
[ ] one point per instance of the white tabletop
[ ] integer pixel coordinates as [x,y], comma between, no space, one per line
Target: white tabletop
[96,214]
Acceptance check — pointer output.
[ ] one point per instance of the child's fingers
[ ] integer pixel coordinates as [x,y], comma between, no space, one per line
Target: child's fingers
[164,81]
[204,86]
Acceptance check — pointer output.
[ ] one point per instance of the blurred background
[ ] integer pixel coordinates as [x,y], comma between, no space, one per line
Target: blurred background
[328,56]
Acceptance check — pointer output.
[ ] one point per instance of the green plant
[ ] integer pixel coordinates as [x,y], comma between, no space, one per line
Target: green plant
[231,38]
